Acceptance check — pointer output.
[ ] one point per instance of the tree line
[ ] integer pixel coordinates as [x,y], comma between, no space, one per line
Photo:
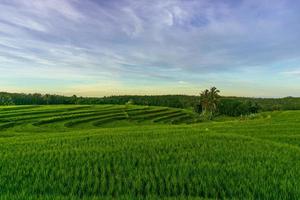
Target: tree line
[177,101]
[211,104]
[231,106]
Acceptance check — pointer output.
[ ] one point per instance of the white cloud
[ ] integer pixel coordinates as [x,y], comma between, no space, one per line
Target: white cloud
[46,7]
[158,40]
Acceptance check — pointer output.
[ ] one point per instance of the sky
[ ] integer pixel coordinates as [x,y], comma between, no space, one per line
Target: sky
[100,47]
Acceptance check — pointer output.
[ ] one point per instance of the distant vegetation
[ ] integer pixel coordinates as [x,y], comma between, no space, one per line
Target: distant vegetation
[209,100]
[231,106]
[236,107]
[211,104]
[6,99]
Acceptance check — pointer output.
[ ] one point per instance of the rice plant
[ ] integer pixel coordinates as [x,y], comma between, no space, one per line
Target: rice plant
[74,157]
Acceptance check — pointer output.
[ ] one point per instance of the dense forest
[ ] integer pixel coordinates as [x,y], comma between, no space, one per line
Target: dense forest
[232,106]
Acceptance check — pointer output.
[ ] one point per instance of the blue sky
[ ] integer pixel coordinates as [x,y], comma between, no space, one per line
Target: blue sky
[99,47]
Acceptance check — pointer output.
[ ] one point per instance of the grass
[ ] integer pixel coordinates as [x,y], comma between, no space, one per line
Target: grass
[124,157]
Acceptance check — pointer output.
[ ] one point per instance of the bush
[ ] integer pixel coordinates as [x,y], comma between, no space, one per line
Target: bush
[6,100]
[232,107]
[198,108]
[130,102]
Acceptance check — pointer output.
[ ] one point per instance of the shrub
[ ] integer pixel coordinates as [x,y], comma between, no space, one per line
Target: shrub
[6,100]
[232,107]
[198,108]
[130,102]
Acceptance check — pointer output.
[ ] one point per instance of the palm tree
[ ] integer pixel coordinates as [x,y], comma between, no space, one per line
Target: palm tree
[204,100]
[209,100]
[214,98]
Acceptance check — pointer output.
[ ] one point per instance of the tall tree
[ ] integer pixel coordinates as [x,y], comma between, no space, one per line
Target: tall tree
[209,100]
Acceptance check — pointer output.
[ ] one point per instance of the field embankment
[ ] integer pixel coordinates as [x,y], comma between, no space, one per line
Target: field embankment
[87,116]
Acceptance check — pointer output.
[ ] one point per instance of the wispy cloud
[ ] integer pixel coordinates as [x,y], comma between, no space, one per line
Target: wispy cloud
[129,41]
[293,73]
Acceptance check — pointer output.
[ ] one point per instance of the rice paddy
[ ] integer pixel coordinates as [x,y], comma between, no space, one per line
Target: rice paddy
[140,152]
[90,116]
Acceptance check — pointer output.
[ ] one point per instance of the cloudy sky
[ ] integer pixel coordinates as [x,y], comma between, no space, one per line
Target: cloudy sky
[100,47]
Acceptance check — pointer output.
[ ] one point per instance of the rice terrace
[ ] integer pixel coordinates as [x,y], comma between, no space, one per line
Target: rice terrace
[134,152]
[149,99]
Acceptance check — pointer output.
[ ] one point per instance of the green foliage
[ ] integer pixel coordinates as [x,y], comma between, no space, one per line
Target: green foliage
[176,101]
[197,108]
[233,107]
[252,159]
[209,100]
[130,102]
[6,100]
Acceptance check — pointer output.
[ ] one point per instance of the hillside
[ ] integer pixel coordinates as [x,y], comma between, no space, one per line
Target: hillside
[86,116]
[66,152]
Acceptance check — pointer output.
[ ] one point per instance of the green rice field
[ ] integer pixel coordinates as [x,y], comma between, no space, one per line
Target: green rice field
[142,152]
